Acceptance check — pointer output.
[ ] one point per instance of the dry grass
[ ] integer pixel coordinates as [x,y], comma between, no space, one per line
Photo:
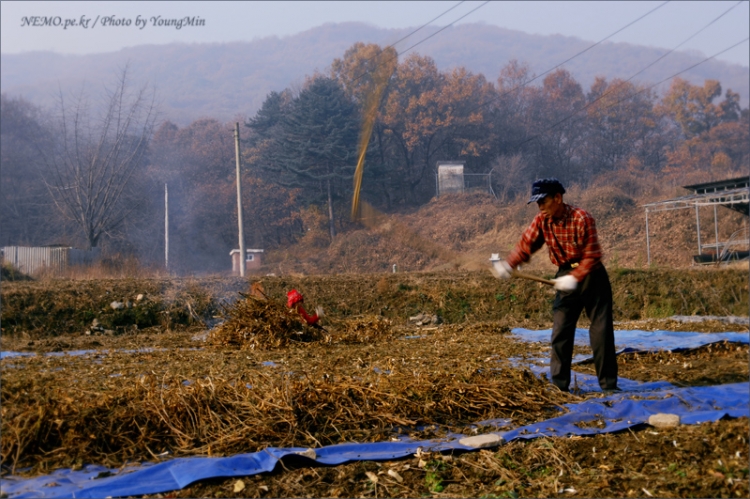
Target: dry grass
[462,230]
[218,401]
[50,308]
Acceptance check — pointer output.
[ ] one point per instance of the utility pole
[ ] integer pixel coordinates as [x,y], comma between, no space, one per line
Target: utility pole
[243,254]
[166,227]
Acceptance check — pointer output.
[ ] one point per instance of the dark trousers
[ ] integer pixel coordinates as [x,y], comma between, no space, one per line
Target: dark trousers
[594,294]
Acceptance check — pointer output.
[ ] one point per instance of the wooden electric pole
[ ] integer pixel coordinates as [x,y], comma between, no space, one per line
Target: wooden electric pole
[243,256]
[166,227]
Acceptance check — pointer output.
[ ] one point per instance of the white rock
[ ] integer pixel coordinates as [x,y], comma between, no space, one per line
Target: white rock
[116,305]
[394,474]
[139,297]
[308,453]
[482,441]
[202,336]
[662,420]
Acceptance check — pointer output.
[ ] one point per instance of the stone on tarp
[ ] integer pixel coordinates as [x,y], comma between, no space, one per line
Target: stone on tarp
[662,420]
[424,319]
[482,441]
[309,453]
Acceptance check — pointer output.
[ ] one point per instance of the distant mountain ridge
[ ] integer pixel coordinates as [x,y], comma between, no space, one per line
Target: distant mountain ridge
[230,81]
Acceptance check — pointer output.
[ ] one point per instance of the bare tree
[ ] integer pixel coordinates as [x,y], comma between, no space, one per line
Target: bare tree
[97,154]
[509,177]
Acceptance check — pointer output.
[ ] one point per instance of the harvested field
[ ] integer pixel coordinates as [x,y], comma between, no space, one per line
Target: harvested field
[171,390]
[33,310]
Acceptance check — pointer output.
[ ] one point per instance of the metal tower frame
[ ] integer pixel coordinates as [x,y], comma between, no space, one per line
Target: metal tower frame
[731,193]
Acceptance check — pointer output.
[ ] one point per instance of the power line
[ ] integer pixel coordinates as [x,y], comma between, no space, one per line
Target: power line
[424,25]
[600,41]
[688,69]
[608,92]
[571,58]
[577,55]
[687,39]
[636,93]
[410,34]
[424,39]
[546,72]
[529,81]
[445,27]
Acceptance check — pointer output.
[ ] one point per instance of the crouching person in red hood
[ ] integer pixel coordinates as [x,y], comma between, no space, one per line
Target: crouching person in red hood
[294,300]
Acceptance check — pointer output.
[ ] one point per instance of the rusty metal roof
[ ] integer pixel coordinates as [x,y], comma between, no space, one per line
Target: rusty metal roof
[719,185]
[730,193]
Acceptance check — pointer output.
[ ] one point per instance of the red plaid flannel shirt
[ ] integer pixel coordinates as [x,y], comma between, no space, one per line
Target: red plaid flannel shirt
[570,239]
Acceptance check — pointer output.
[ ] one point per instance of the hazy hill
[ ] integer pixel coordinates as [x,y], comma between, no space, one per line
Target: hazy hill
[231,80]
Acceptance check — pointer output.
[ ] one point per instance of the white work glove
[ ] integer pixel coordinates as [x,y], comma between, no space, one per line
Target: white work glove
[566,283]
[500,268]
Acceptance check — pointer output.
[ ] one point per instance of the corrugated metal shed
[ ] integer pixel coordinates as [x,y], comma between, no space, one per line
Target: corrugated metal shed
[31,260]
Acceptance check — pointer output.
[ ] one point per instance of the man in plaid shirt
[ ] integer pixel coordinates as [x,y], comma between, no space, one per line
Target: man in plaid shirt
[581,281]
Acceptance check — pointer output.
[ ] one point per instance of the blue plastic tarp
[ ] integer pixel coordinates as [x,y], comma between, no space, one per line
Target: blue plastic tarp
[71,353]
[636,340]
[622,410]
[627,341]
[586,383]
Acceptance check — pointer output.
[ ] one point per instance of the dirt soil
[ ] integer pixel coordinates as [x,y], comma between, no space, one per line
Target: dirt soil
[158,392]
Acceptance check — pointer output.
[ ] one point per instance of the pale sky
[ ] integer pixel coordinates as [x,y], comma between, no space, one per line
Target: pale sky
[244,21]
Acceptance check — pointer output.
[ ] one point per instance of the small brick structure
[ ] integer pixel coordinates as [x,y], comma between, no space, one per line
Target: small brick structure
[253,260]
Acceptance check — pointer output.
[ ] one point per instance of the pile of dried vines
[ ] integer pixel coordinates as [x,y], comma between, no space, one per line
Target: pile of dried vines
[260,323]
[112,420]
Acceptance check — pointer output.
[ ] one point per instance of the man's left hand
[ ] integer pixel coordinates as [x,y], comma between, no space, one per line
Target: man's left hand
[566,283]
